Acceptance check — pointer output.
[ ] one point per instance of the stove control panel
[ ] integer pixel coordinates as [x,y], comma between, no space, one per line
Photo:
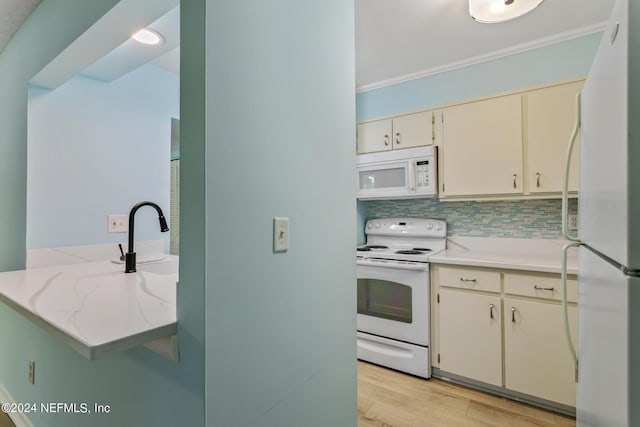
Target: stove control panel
[407,227]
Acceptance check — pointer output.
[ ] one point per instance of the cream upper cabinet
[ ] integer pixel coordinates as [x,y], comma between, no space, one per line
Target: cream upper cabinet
[482,148]
[470,335]
[550,118]
[537,359]
[374,136]
[510,146]
[413,130]
[410,130]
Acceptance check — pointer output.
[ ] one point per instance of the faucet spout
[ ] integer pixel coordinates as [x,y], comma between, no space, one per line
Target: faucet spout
[130,256]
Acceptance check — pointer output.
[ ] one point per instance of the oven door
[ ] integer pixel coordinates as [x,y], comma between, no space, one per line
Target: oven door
[393,301]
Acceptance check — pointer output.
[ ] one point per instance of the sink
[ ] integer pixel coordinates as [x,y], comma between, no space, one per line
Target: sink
[166,267]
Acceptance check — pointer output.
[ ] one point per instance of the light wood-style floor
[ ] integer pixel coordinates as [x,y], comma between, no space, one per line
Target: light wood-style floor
[387,398]
[5,421]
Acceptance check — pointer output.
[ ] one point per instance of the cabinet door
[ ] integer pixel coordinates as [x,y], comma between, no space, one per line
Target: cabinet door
[536,356]
[470,335]
[550,120]
[374,136]
[482,147]
[413,130]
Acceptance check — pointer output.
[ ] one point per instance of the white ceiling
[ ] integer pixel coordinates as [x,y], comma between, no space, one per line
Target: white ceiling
[396,40]
[105,51]
[402,39]
[132,54]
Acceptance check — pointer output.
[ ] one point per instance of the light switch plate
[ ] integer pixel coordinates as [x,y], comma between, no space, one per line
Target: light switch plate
[32,372]
[280,234]
[118,224]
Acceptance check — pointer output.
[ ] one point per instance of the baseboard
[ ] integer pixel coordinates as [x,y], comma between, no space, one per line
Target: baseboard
[501,391]
[18,418]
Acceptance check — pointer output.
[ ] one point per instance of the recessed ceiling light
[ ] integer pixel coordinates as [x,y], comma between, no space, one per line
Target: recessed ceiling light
[148,36]
[492,11]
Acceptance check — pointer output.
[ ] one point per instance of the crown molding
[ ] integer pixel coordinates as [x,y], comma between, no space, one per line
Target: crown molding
[535,44]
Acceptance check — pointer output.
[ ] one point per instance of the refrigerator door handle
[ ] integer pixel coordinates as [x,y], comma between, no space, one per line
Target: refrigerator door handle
[565,311]
[567,167]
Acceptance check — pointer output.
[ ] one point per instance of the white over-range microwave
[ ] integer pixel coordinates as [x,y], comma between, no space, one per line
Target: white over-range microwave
[397,174]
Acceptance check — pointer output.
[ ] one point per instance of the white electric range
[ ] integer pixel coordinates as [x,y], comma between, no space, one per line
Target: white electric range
[394,292]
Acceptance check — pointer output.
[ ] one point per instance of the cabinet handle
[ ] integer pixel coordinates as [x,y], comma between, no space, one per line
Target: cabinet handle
[386,140]
[537,179]
[491,311]
[515,181]
[513,314]
[462,279]
[540,288]
[398,138]
[433,127]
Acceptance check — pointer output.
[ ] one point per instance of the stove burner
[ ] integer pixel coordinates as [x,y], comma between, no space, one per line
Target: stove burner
[370,247]
[410,252]
[422,249]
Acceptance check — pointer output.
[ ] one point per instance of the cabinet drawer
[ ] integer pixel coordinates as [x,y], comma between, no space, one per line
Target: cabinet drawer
[470,278]
[548,286]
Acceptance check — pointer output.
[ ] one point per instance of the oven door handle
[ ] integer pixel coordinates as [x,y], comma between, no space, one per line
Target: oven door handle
[393,264]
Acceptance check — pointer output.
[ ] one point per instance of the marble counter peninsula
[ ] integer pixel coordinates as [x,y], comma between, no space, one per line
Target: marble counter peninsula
[95,307]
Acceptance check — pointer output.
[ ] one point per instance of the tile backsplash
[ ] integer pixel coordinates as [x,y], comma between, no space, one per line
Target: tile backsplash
[531,219]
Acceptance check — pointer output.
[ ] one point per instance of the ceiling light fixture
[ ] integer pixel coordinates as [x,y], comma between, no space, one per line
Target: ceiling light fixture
[148,36]
[493,11]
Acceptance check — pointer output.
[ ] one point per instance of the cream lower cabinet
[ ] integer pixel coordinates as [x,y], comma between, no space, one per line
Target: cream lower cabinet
[470,335]
[505,328]
[537,360]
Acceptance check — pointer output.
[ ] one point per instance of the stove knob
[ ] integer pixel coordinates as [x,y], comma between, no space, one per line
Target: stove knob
[377,225]
[439,227]
[370,225]
[429,226]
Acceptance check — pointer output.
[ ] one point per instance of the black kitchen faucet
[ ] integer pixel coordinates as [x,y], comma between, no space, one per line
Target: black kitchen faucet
[130,256]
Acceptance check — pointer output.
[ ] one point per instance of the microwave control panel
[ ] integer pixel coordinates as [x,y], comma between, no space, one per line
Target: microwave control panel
[423,173]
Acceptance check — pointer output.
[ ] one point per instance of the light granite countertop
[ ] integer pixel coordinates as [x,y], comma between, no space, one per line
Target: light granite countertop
[543,255]
[95,307]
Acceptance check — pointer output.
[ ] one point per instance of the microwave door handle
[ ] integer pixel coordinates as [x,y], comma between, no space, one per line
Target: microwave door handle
[411,170]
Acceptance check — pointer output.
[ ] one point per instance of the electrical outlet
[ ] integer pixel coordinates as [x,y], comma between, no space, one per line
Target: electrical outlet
[32,372]
[573,222]
[118,224]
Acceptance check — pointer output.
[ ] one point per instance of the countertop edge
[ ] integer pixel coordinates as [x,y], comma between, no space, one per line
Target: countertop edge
[83,348]
[506,265]
[126,343]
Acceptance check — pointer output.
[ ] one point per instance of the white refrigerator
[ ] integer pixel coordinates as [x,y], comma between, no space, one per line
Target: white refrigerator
[608,387]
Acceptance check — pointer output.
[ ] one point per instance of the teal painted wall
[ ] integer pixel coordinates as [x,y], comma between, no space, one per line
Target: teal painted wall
[191,291]
[108,141]
[16,69]
[280,132]
[143,388]
[561,61]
